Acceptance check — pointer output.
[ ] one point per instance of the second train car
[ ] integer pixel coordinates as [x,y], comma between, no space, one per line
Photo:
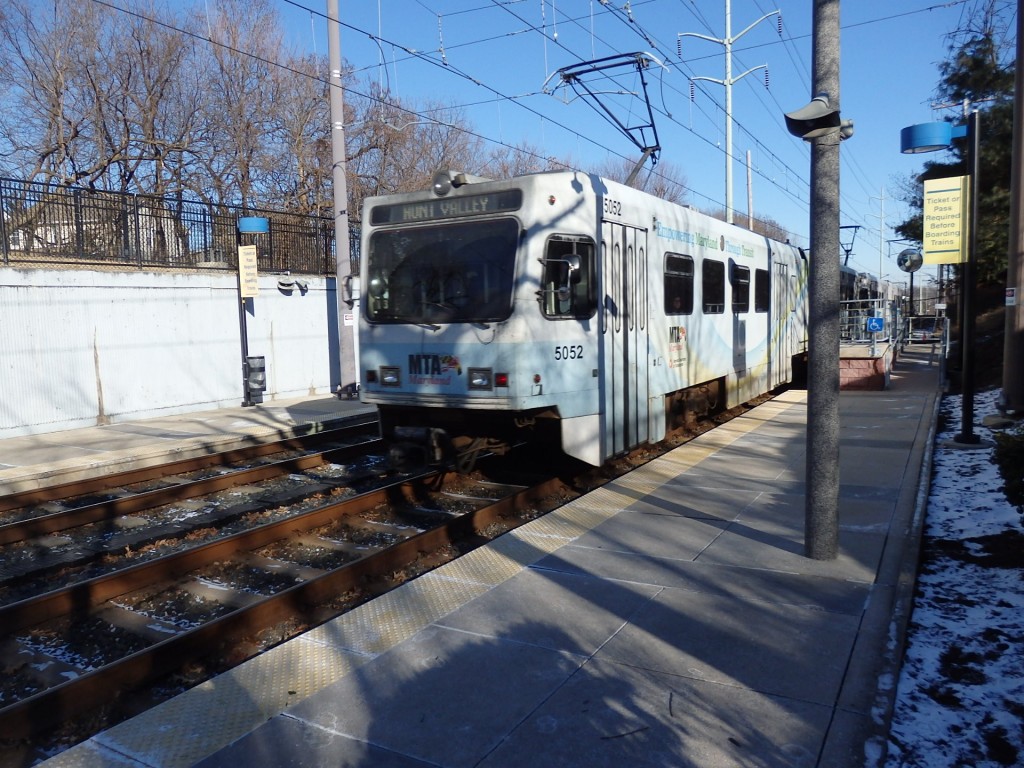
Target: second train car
[563,308]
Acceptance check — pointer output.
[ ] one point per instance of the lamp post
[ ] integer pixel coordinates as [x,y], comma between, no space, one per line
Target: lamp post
[929,137]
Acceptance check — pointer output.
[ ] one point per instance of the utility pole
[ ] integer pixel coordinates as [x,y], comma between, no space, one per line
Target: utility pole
[821,514]
[1011,401]
[727,42]
[347,363]
[881,237]
[750,195]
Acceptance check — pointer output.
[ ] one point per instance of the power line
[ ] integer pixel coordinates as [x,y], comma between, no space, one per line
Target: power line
[631,19]
[499,96]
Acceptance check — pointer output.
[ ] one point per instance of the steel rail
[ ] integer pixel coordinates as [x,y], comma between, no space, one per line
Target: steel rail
[142,474]
[20,530]
[47,709]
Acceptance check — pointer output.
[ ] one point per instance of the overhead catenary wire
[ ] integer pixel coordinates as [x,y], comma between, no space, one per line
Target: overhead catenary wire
[788,184]
[413,54]
[370,97]
[634,25]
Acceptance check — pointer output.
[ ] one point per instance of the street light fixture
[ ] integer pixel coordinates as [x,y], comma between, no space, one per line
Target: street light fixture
[929,137]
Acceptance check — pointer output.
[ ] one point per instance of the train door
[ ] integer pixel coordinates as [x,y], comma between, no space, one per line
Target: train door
[781,348]
[624,337]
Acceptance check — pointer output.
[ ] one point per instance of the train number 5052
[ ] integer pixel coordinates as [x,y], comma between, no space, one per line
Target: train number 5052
[569,352]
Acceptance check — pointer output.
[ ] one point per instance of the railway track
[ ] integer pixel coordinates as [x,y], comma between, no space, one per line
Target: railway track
[42,533]
[352,432]
[139,601]
[88,616]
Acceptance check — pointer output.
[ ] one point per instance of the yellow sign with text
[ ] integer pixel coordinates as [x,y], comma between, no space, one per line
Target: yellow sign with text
[946,223]
[248,284]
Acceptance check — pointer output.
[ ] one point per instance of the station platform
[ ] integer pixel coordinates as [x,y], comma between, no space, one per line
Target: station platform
[669,618]
[53,458]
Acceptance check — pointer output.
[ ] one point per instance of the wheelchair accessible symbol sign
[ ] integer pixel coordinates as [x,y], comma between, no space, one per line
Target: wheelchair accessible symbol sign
[876,324]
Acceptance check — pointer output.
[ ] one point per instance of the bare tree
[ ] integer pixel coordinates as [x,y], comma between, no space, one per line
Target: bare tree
[441,139]
[96,97]
[44,126]
[205,101]
[763,225]
[237,118]
[299,170]
[164,92]
[665,180]
[507,162]
[375,132]
[392,147]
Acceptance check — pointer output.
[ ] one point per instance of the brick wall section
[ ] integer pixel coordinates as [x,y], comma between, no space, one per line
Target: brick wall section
[864,373]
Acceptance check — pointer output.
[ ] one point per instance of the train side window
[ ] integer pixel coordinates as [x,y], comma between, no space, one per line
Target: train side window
[762,291]
[712,274]
[678,284]
[568,285]
[740,288]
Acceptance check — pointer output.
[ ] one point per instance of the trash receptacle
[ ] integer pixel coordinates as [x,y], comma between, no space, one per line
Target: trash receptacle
[256,375]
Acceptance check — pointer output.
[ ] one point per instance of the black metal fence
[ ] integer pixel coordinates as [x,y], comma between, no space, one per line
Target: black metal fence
[42,223]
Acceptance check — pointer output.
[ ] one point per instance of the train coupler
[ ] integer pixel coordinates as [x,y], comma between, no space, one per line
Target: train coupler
[419,446]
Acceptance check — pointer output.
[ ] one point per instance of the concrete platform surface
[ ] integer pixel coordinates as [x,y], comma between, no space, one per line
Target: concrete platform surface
[669,618]
[66,456]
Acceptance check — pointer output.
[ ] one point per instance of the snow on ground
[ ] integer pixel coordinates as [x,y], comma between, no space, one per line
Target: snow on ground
[960,699]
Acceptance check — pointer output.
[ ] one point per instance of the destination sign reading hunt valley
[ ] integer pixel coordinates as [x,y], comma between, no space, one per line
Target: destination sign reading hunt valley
[447,208]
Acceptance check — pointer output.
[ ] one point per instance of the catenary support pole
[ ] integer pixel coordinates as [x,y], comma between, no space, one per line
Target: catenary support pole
[728,82]
[821,517]
[750,194]
[347,363]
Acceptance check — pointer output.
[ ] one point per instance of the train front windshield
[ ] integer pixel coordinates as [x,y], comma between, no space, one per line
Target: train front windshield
[454,272]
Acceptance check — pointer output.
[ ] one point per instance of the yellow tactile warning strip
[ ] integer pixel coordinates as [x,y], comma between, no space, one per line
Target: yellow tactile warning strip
[186,729]
[497,562]
[574,519]
[191,726]
[379,625]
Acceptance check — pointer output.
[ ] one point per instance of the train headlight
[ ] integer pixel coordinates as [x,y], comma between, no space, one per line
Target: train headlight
[390,376]
[442,182]
[481,378]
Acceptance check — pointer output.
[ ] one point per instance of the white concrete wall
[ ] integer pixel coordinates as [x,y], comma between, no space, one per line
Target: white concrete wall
[82,347]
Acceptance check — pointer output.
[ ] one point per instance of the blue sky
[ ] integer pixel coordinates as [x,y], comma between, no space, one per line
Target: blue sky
[492,59]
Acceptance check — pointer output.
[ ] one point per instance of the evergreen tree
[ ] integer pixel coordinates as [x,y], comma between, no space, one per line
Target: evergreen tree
[979,75]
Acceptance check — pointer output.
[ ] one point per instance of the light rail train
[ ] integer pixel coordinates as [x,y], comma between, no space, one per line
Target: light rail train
[565,309]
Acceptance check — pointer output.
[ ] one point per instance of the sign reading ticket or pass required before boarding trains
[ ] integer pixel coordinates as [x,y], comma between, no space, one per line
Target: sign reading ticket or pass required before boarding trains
[945,220]
[247,271]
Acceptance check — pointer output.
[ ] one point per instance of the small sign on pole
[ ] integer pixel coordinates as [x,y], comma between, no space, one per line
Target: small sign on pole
[248,273]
